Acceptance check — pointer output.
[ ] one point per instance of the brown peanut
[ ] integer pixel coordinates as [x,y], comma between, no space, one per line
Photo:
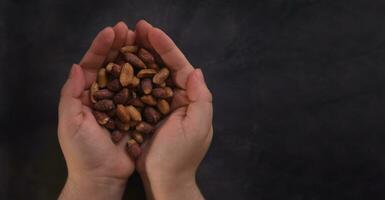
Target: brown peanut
[146,86]
[151,115]
[146,56]
[126,75]
[148,99]
[122,96]
[116,136]
[134,60]
[114,69]
[144,127]
[102,78]
[103,94]
[101,118]
[161,76]
[163,106]
[146,73]
[122,126]
[110,124]
[129,49]
[131,95]
[138,137]
[133,148]
[122,113]
[114,85]
[104,105]
[93,89]
[134,113]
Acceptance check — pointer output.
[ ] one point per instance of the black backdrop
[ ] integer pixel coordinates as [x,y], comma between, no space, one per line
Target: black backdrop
[298,92]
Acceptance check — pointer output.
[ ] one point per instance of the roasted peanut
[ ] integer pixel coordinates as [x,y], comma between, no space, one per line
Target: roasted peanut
[114,69]
[116,136]
[144,127]
[148,99]
[146,56]
[146,73]
[134,60]
[161,76]
[103,94]
[114,85]
[104,105]
[102,78]
[110,124]
[93,89]
[129,49]
[122,96]
[126,75]
[136,102]
[163,106]
[133,148]
[138,137]
[151,115]
[134,113]
[101,118]
[122,126]
[122,113]
[146,86]
[131,95]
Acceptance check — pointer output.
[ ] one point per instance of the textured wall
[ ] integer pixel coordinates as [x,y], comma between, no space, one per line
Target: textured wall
[298,92]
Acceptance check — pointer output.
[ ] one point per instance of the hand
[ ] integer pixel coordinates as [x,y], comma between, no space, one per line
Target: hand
[169,160]
[97,168]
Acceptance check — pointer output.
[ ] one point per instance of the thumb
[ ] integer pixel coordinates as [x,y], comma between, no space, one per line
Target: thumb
[199,111]
[70,106]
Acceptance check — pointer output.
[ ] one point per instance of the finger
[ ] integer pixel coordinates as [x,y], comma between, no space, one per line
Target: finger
[141,32]
[70,106]
[171,55]
[96,54]
[180,99]
[85,98]
[130,38]
[120,30]
[199,112]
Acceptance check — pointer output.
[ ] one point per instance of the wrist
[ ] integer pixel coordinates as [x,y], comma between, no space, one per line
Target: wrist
[93,188]
[173,186]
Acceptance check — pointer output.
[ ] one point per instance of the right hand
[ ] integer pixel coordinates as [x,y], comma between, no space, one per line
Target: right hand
[170,159]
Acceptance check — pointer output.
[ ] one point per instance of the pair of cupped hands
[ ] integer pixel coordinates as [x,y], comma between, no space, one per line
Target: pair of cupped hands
[98,168]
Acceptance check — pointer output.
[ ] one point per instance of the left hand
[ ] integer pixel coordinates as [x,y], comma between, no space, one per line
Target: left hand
[97,168]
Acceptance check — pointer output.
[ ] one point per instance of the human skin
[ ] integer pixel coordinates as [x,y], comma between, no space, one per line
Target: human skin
[98,168]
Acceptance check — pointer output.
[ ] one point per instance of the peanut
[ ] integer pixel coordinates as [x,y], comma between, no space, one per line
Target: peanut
[93,89]
[163,106]
[102,78]
[122,113]
[126,75]
[146,73]
[151,115]
[102,94]
[134,60]
[129,49]
[146,86]
[131,95]
[148,99]
[161,76]
[114,85]
[116,136]
[134,113]
[146,56]
[104,105]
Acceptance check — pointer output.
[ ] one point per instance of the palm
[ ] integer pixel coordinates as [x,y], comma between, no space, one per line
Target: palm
[87,147]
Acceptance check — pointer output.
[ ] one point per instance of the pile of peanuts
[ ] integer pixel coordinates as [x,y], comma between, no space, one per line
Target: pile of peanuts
[131,95]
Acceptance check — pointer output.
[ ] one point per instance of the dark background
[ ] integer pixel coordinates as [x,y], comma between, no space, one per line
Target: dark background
[298,92]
